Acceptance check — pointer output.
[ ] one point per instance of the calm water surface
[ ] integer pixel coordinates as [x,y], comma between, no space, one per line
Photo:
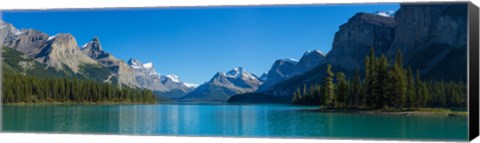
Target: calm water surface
[226,120]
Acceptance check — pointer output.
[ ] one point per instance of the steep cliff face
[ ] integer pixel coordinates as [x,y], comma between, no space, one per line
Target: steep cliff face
[355,38]
[431,37]
[62,50]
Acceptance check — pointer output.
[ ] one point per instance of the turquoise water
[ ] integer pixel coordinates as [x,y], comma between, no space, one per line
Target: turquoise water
[283,121]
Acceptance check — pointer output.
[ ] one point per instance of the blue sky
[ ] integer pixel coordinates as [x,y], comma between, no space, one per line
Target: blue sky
[196,42]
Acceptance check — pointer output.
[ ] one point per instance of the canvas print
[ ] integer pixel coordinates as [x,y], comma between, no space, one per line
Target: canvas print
[389,71]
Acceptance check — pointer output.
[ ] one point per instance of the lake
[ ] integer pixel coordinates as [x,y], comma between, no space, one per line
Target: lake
[283,121]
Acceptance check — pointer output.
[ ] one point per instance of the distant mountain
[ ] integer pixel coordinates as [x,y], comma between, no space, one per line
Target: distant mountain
[168,86]
[432,39]
[280,70]
[309,60]
[223,85]
[145,75]
[285,68]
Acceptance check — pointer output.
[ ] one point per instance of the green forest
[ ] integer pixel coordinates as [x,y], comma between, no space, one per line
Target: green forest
[18,88]
[383,86]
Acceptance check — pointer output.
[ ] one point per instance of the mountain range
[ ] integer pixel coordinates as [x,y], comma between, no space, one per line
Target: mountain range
[33,52]
[431,36]
[61,54]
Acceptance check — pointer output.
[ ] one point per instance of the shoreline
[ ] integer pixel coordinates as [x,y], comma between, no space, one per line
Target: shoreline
[420,112]
[397,112]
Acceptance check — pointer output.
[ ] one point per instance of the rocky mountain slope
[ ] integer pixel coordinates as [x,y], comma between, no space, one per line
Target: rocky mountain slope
[60,55]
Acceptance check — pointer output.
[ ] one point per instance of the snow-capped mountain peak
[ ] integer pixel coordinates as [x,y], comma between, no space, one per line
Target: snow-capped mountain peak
[235,73]
[139,67]
[134,63]
[167,85]
[223,85]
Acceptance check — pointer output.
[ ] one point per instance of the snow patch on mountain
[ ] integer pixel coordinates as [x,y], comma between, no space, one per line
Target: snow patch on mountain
[389,13]
[191,85]
[291,60]
[172,77]
[169,86]
[148,65]
[50,38]
[308,52]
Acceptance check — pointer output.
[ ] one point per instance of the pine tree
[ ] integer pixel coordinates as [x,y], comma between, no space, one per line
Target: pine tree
[370,79]
[356,96]
[341,90]
[381,86]
[411,92]
[304,94]
[329,87]
[398,83]
[21,88]
[421,91]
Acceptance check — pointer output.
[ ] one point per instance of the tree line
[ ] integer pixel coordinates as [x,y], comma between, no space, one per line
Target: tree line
[19,88]
[382,86]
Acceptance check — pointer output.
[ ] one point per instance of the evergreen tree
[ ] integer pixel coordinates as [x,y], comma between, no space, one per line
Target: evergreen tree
[398,83]
[381,86]
[421,91]
[356,96]
[304,94]
[342,90]
[329,87]
[411,92]
[370,79]
[20,88]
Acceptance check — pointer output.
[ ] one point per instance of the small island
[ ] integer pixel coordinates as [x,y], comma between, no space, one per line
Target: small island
[384,89]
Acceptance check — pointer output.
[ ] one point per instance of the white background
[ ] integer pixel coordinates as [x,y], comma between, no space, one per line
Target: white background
[67,138]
